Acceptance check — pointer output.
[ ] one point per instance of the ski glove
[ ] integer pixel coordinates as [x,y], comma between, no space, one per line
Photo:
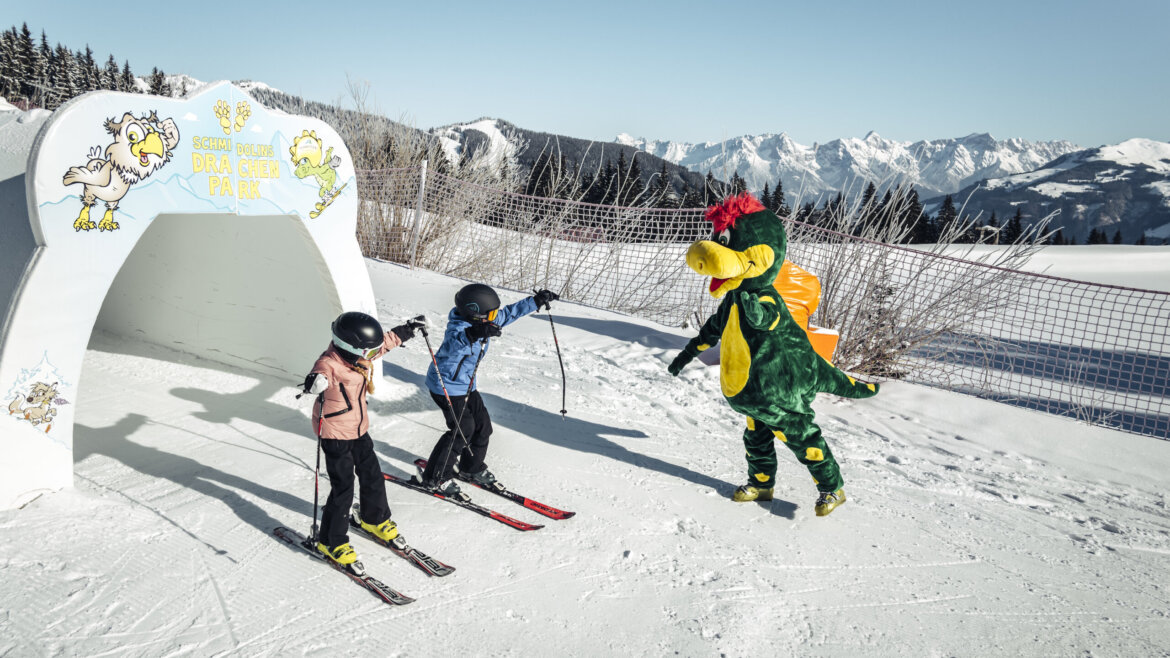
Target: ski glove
[315,383]
[543,297]
[684,357]
[482,330]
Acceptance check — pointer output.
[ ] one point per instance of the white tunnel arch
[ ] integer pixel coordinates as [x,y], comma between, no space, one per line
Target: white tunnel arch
[215,167]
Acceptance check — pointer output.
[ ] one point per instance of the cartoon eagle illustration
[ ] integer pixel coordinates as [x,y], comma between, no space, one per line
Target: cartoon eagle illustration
[141,146]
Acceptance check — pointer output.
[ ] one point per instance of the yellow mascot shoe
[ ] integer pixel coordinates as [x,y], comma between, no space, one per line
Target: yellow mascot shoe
[386,530]
[746,492]
[342,554]
[828,501]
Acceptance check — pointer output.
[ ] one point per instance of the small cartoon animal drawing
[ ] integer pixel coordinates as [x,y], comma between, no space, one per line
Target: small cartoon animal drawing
[40,409]
[141,146]
[306,155]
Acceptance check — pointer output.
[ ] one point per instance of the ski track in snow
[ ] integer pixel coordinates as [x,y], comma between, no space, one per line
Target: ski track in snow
[971,528]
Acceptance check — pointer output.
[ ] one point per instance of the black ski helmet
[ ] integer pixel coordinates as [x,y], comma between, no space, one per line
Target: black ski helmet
[476,301]
[357,333]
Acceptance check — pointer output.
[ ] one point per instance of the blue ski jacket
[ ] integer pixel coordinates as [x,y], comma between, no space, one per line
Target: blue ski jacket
[457,355]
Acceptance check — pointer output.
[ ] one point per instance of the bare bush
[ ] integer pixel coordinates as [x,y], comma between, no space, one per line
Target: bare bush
[890,302]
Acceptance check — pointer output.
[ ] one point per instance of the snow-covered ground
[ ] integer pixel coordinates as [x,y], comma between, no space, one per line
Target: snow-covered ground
[972,528]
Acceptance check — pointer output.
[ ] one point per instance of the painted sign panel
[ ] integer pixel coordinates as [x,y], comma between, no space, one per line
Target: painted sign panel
[103,168]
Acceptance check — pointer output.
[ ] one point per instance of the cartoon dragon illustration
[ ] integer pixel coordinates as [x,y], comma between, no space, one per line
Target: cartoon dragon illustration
[307,156]
[40,410]
[141,146]
[769,371]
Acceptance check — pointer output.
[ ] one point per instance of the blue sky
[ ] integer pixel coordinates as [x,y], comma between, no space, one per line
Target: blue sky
[1089,72]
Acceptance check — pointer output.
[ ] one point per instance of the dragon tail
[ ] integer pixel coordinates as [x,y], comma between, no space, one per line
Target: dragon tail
[836,382]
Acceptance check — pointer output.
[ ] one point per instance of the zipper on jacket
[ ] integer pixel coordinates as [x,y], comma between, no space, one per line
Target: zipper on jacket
[348,406]
[458,367]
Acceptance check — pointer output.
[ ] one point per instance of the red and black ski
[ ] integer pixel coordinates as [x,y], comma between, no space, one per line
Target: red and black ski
[399,547]
[524,501]
[355,571]
[465,504]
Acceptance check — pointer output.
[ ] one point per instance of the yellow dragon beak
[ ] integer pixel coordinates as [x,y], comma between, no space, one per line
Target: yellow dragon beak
[728,267]
[151,144]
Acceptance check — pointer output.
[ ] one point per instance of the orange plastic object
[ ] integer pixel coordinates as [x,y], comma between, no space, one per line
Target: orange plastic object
[801,291]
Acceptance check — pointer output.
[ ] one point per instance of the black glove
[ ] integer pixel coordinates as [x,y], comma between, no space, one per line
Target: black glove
[543,297]
[481,330]
[405,331]
[684,357]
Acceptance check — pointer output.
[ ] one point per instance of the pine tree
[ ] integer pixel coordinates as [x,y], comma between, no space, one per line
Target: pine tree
[157,82]
[779,203]
[634,186]
[947,217]
[1141,239]
[23,66]
[766,196]
[1014,228]
[711,195]
[8,79]
[91,77]
[868,208]
[738,184]
[110,74]
[912,209]
[66,77]
[41,69]
[1117,237]
[126,79]
[1058,237]
[660,191]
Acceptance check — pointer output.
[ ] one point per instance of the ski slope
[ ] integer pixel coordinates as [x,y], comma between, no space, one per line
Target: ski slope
[972,528]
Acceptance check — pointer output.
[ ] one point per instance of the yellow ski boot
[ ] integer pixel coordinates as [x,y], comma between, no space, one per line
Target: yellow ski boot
[342,554]
[387,530]
[748,492]
[828,501]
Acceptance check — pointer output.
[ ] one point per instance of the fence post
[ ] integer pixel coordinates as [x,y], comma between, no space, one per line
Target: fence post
[418,210]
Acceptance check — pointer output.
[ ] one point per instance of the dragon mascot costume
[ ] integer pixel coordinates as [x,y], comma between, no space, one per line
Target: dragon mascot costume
[769,372]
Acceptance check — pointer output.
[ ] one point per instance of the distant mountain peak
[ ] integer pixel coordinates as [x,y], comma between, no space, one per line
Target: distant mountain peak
[939,166]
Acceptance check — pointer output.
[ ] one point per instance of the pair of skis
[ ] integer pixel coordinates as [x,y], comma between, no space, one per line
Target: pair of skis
[497,488]
[357,571]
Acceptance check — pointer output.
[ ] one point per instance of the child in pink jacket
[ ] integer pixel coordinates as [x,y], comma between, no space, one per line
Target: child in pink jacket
[340,378]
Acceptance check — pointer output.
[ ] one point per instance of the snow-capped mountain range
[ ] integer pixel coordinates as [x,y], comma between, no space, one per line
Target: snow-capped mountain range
[1123,187]
[938,166]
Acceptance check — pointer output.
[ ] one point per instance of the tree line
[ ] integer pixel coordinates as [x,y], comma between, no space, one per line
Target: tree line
[34,74]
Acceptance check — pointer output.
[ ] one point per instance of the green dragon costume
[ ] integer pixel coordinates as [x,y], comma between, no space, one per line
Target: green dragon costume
[768,369]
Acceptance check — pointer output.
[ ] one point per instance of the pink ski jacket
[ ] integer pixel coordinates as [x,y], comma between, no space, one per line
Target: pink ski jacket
[340,411]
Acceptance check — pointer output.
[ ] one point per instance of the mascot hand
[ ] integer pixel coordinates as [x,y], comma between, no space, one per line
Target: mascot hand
[684,357]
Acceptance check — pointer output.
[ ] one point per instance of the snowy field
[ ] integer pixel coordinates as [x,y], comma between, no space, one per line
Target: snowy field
[972,528]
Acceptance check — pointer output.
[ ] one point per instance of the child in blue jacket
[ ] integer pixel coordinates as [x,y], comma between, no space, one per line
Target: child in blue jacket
[475,320]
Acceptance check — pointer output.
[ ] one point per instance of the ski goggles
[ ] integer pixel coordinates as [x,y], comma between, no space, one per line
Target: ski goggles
[362,353]
[490,316]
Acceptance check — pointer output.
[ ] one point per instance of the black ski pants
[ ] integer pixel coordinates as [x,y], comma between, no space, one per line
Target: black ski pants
[344,459]
[468,445]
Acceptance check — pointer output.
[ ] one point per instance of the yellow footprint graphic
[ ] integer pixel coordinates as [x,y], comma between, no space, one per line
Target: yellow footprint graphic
[243,113]
[224,111]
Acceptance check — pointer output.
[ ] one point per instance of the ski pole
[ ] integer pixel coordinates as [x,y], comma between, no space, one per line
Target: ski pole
[564,388]
[316,479]
[471,385]
[450,405]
